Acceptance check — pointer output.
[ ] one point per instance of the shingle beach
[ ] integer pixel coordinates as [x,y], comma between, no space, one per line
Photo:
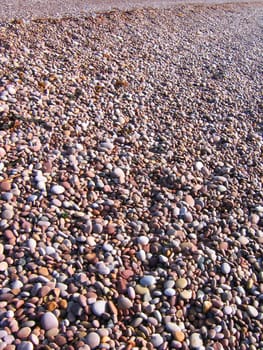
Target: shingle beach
[131,171]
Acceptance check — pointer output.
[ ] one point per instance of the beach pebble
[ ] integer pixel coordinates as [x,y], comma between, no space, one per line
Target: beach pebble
[147,281]
[225,268]
[57,189]
[49,321]
[99,307]
[196,341]
[93,340]
[25,345]
[157,340]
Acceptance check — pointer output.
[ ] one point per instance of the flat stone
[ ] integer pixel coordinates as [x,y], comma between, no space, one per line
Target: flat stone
[93,340]
[49,321]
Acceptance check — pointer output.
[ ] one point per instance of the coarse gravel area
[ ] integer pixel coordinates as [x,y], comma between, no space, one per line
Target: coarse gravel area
[131,180]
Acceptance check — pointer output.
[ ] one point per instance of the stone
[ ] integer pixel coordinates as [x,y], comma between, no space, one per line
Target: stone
[124,303]
[57,189]
[49,321]
[93,340]
[143,240]
[119,174]
[157,340]
[181,283]
[186,294]
[169,292]
[99,307]
[147,281]
[225,268]
[3,266]
[25,345]
[196,341]
[7,214]
[23,333]
[179,335]
[252,311]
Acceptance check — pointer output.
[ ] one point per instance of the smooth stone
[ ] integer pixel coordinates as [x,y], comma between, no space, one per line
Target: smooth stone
[172,327]
[141,255]
[147,281]
[92,340]
[57,189]
[252,311]
[103,269]
[225,268]
[199,165]
[186,294]
[23,333]
[25,345]
[227,310]
[196,341]
[157,340]
[143,240]
[49,321]
[7,214]
[179,335]
[119,173]
[124,303]
[181,283]
[99,307]
[243,240]
[3,266]
[169,292]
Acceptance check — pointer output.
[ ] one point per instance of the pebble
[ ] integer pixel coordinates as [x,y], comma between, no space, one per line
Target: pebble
[99,307]
[124,303]
[25,345]
[49,321]
[225,268]
[93,340]
[196,341]
[181,283]
[252,311]
[57,189]
[157,340]
[147,281]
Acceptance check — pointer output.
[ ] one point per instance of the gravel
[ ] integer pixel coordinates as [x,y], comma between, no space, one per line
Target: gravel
[131,180]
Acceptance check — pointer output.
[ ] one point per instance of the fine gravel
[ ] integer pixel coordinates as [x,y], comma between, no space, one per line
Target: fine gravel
[131,180]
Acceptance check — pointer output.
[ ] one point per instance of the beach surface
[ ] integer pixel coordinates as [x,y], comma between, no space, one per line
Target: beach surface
[131,176]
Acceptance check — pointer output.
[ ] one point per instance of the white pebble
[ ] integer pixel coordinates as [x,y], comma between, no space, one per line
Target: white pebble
[57,189]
